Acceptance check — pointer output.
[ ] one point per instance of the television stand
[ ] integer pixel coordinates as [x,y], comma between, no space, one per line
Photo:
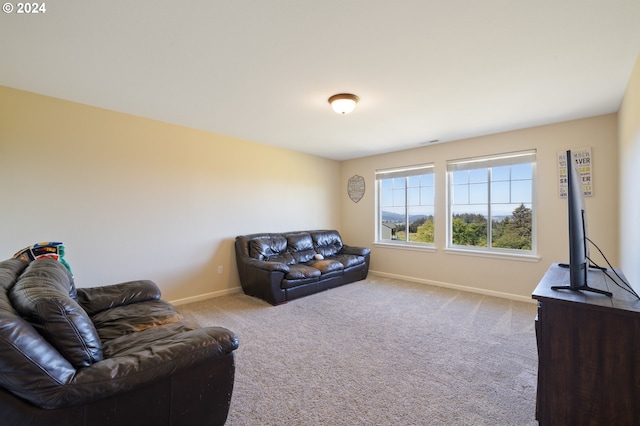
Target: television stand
[588,348]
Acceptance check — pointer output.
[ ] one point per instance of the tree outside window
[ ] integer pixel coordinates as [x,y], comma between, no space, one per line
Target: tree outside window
[491,202]
[406,205]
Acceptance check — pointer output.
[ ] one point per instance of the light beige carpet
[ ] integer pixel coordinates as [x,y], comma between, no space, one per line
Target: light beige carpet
[380,352]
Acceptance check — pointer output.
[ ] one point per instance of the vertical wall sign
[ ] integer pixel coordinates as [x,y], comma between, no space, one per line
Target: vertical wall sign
[355,188]
[584,161]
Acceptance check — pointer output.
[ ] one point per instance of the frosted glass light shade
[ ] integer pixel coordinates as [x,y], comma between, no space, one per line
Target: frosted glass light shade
[343,103]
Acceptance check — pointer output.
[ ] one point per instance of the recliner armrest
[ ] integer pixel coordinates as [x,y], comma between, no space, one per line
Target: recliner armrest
[98,299]
[154,358]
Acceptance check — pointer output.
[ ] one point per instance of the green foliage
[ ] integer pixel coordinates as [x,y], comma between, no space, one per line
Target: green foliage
[413,226]
[512,232]
[424,231]
[420,231]
[468,230]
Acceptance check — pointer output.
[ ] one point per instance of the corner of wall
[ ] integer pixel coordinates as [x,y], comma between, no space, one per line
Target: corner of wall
[629,157]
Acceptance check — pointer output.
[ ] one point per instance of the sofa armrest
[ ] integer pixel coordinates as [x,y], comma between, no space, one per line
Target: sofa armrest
[360,251]
[150,359]
[261,278]
[266,265]
[98,299]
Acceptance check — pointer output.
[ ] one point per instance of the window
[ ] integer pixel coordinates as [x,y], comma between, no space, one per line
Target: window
[405,205]
[491,203]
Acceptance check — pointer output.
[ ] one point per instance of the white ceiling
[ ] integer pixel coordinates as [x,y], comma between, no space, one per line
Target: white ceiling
[262,70]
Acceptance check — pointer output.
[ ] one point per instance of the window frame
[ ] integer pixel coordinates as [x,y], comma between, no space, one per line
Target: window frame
[403,172]
[489,162]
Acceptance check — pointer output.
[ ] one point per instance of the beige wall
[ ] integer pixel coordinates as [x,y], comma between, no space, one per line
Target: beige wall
[510,278]
[134,198]
[629,157]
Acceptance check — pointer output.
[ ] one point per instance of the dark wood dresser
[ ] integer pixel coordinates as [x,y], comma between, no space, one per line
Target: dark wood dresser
[588,352]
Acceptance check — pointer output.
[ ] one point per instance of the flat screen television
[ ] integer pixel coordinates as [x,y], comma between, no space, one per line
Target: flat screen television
[578,238]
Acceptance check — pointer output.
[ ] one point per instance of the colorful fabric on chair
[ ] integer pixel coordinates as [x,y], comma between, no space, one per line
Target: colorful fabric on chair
[49,249]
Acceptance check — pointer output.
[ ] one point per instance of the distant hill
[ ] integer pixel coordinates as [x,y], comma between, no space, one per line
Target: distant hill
[399,218]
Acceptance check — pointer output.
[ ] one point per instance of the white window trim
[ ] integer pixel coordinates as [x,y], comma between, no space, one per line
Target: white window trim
[510,158]
[405,171]
[406,245]
[503,254]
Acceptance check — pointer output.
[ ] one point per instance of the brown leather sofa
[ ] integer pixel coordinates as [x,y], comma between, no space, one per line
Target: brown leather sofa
[116,355]
[278,267]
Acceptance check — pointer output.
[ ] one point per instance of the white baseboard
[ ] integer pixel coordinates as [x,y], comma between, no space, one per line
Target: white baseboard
[235,290]
[456,287]
[206,296]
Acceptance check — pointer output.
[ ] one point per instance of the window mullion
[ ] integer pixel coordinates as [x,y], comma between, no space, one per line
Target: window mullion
[489,210]
[406,208]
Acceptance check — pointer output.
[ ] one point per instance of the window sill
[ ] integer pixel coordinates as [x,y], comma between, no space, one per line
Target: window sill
[405,246]
[459,251]
[494,255]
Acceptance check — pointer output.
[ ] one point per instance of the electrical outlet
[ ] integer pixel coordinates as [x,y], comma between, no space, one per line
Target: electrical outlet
[220,269]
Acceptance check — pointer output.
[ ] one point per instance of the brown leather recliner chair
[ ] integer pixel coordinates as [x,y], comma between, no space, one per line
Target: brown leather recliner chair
[105,355]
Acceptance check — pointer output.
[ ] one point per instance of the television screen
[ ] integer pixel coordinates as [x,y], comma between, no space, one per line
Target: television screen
[578,239]
[578,249]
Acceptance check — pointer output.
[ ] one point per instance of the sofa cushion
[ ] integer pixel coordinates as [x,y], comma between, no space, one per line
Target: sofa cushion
[285,258]
[268,246]
[127,319]
[48,250]
[10,270]
[300,245]
[41,296]
[28,360]
[23,351]
[327,243]
[301,271]
[98,299]
[327,266]
[349,260]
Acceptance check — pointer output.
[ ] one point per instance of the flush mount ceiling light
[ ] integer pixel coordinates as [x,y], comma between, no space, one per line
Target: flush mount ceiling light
[343,103]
